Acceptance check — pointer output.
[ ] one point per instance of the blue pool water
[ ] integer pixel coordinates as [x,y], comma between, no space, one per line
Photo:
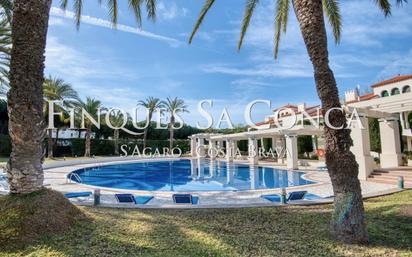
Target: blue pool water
[188,175]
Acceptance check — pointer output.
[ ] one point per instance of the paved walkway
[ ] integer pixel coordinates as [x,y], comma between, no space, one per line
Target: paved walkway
[56,178]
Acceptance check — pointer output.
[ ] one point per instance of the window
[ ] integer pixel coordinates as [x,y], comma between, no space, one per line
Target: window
[395,91]
[406,89]
[384,93]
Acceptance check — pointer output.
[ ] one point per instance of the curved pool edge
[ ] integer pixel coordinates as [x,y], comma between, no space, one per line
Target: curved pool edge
[55,178]
[305,175]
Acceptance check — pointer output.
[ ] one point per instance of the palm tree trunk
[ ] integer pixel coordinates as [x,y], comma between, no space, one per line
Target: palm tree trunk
[50,144]
[171,130]
[87,141]
[116,142]
[348,224]
[25,98]
[146,131]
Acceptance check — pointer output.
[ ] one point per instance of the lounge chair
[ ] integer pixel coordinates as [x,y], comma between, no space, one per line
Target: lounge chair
[309,196]
[297,195]
[129,198]
[293,196]
[78,194]
[185,199]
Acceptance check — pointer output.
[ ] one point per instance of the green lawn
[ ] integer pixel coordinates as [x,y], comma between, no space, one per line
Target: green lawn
[289,231]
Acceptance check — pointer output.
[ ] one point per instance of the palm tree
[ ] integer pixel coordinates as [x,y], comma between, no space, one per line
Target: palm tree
[93,107]
[348,224]
[55,89]
[151,104]
[25,99]
[117,120]
[5,48]
[174,106]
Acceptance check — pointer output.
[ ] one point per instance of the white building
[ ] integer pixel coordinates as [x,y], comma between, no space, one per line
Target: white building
[67,133]
[391,96]
[390,101]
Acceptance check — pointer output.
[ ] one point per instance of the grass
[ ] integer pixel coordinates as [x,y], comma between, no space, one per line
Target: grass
[289,231]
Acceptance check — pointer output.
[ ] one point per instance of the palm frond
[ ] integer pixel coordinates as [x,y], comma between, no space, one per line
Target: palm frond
[206,7]
[63,4]
[7,8]
[151,9]
[250,7]
[134,5]
[113,9]
[281,21]
[332,11]
[78,6]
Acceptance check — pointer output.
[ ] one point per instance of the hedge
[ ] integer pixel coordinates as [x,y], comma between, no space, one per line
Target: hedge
[102,147]
[5,145]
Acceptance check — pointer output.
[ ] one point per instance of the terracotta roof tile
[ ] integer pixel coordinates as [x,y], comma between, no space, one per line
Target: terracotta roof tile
[393,80]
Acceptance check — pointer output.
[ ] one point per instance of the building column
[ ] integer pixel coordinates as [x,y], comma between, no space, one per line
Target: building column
[229,151]
[273,144]
[278,146]
[201,147]
[314,143]
[409,143]
[291,151]
[234,147]
[193,146]
[253,151]
[361,146]
[390,143]
[262,143]
[212,151]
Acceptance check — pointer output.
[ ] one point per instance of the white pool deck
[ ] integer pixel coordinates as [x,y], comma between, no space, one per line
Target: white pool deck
[56,178]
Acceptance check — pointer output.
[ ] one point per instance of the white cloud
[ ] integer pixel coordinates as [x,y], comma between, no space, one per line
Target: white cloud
[400,65]
[264,70]
[170,10]
[120,27]
[69,62]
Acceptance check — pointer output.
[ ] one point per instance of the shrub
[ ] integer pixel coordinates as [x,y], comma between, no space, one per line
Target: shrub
[5,145]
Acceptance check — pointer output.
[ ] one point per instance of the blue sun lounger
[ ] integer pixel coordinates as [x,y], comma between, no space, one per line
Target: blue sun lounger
[78,194]
[185,199]
[293,196]
[129,198]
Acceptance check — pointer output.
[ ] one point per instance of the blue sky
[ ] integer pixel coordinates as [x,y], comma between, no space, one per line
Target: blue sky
[122,66]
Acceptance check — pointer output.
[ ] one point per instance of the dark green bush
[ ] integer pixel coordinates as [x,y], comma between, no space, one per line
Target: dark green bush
[5,145]
[104,147]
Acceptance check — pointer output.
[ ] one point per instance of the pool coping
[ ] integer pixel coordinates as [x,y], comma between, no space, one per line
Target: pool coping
[310,174]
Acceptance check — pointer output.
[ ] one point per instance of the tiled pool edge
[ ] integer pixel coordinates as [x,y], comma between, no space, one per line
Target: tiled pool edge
[239,199]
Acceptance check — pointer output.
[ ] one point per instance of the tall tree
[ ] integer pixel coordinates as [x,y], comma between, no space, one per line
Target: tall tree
[174,106]
[55,89]
[151,104]
[116,119]
[93,107]
[25,99]
[348,224]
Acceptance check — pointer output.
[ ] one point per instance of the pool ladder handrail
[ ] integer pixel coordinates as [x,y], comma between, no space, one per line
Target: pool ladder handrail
[76,176]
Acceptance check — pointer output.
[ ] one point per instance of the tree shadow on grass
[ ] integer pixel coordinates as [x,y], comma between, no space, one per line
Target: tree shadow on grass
[389,228]
[290,231]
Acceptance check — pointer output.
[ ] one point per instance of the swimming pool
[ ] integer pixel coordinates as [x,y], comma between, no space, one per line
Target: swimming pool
[187,175]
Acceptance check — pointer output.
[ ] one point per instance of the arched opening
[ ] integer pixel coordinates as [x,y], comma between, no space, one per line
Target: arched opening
[395,91]
[406,89]
[384,93]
